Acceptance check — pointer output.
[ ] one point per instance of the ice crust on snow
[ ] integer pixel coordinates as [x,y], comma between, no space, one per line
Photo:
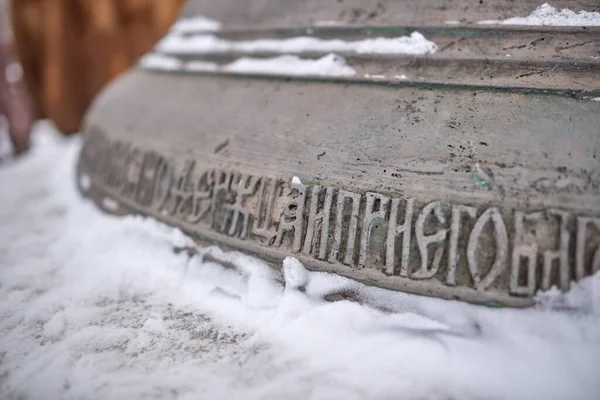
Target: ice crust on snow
[96,306]
[550,16]
[414,44]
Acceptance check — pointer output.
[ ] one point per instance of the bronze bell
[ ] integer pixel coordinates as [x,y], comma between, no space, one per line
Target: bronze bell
[395,143]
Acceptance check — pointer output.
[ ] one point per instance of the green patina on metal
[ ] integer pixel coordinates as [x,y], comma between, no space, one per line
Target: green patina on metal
[480,183]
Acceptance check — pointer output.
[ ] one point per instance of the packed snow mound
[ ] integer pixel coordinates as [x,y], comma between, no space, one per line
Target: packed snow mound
[548,15]
[160,62]
[198,23]
[414,44]
[94,306]
[329,65]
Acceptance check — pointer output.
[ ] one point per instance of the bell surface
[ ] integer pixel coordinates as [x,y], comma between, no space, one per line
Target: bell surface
[395,143]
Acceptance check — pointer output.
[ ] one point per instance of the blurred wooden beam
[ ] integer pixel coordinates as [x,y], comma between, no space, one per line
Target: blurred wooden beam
[70,49]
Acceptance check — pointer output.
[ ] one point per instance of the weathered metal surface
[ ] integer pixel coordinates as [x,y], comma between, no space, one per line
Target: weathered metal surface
[293,13]
[484,192]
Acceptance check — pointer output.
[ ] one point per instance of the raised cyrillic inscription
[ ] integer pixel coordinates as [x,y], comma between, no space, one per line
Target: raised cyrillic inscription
[560,256]
[423,240]
[525,251]
[292,217]
[318,221]
[376,210]
[237,215]
[455,228]
[394,230]
[263,216]
[346,221]
[588,247]
[489,216]
[515,252]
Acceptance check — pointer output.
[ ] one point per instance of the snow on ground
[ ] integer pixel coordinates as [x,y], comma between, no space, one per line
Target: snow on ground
[548,15]
[100,307]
